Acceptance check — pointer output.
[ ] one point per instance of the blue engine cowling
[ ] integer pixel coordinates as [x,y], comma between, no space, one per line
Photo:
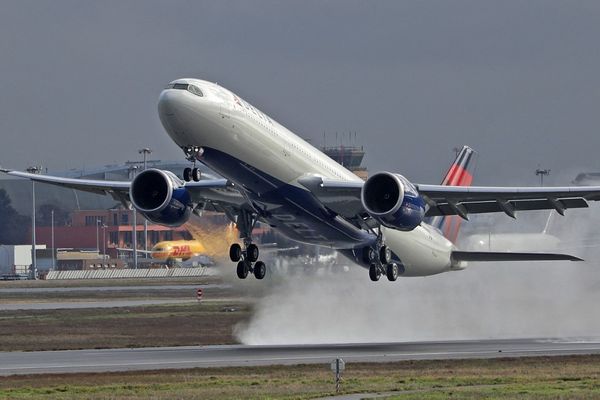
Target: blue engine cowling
[161,197]
[393,201]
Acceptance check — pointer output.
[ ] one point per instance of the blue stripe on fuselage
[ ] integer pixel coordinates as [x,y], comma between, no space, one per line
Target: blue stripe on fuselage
[292,210]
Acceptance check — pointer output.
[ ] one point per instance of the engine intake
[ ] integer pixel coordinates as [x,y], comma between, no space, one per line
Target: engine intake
[161,197]
[393,201]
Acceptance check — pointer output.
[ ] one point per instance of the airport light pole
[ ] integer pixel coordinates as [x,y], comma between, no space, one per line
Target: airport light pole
[132,170]
[103,242]
[541,173]
[145,151]
[97,236]
[33,170]
[134,238]
[53,249]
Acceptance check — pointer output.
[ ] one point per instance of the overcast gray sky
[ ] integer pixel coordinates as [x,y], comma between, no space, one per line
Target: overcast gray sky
[517,80]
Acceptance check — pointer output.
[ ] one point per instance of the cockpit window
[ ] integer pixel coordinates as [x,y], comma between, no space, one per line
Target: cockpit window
[180,86]
[195,90]
[186,86]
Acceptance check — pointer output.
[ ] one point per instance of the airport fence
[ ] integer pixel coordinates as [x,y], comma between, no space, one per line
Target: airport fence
[131,273]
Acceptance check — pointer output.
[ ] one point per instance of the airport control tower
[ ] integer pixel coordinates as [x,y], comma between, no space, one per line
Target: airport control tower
[350,157]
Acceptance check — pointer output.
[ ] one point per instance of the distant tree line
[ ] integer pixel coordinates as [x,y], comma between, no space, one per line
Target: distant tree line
[14,227]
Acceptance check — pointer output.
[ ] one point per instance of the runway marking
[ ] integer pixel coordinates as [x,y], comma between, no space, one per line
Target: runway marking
[298,360]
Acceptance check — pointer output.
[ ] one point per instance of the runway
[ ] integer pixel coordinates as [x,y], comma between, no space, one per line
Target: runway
[11,305]
[146,288]
[44,362]
[69,305]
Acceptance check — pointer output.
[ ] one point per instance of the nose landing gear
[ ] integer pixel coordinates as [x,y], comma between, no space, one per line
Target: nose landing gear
[191,154]
[191,174]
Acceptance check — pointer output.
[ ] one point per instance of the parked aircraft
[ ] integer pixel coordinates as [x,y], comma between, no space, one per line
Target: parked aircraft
[172,250]
[387,224]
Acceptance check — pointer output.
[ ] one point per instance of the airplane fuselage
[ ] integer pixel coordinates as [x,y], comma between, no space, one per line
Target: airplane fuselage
[266,160]
[177,249]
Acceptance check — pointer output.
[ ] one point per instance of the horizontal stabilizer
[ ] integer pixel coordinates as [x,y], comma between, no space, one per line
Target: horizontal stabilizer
[508,256]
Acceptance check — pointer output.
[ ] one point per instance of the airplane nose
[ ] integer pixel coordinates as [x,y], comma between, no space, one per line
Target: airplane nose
[168,101]
[178,103]
[170,106]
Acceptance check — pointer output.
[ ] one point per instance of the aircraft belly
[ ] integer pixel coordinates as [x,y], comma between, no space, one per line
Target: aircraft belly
[292,210]
[422,251]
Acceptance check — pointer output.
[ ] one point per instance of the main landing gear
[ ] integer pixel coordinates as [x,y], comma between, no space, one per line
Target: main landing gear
[379,258]
[247,258]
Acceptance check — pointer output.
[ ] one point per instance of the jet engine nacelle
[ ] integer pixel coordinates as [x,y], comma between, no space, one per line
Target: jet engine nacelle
[393,201]
[161,197]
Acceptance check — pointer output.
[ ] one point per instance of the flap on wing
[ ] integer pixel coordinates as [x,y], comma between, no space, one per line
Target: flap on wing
[480,207]
[508,256]
[443,200]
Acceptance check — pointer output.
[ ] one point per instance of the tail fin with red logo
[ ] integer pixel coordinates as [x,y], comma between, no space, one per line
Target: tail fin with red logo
[459,174]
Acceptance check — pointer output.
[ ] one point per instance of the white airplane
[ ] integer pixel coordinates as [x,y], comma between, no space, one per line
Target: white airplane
[387,224]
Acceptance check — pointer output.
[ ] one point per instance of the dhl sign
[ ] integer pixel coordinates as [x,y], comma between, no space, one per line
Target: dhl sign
[179,251]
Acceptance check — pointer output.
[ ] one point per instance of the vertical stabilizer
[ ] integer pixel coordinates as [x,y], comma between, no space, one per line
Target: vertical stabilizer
[459,174]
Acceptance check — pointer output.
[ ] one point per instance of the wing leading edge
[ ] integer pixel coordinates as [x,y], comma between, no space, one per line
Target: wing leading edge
[119,190]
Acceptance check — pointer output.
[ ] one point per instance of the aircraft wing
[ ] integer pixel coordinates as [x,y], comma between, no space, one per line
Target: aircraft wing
[89,185]
[509,256]
[202,191]
[344,197]
[464,200]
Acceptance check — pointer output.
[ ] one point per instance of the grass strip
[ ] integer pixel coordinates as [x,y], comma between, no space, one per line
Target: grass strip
[206,323]
[572,377]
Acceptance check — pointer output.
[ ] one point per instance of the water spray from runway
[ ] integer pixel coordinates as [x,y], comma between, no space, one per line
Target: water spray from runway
[488,300]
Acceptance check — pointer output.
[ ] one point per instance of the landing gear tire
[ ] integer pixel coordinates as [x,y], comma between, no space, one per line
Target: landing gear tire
[392,271]
[187,174]
[252,252]
[368,255]
[243,268]
[374,273]
[196,174]
[235,252]
[385,255]
[260,270]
